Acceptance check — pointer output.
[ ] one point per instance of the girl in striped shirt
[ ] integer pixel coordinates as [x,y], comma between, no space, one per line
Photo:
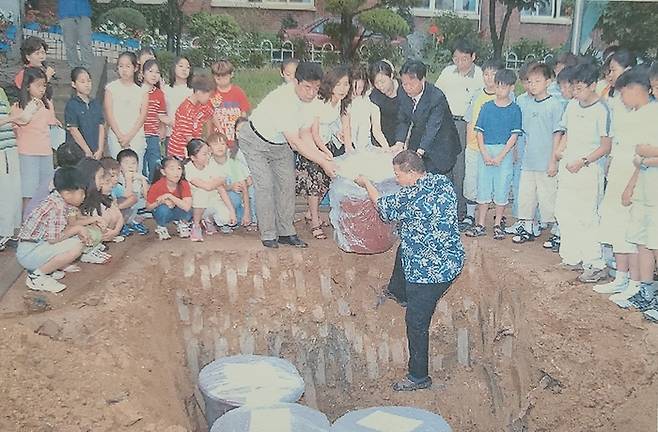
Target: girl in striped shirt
[155,115]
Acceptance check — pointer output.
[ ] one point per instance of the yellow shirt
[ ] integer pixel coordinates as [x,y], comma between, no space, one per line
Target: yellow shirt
[472,114]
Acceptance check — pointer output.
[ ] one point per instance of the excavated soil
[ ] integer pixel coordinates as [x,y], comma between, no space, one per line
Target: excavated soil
[516,345]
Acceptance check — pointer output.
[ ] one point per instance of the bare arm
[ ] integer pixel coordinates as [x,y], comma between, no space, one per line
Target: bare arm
[373,194]
[376,124]
[109,114]
[483,148]
[303,143]
[141,119]
[509,145]
[101,142]
[346,127]
[646,151]
[207,185]
[229,205]
[80,140]
[552,164]
[627,195]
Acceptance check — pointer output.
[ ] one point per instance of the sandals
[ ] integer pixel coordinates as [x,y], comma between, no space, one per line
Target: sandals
[522,236]
[318,233]
[499,232]
[476,231]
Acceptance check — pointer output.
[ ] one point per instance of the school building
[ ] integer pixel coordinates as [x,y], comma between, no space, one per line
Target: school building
[550,21]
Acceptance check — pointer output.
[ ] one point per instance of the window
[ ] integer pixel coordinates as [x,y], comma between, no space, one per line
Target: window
[436,6]
[547,9]
[266,4]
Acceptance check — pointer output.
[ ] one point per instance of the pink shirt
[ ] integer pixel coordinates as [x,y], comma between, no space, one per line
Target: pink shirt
[33,139]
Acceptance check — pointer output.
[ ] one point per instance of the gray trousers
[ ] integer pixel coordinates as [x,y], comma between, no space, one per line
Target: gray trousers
[273,171]
[77,29]
[458,171]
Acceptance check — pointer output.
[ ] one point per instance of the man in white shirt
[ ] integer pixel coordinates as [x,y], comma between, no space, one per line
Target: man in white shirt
[268,141]
[460,82]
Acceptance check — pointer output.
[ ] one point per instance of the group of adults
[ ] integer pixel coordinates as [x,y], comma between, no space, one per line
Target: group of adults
[415,115]
[427,125]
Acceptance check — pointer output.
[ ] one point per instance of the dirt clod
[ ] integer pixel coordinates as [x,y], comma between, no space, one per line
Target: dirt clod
[51,329]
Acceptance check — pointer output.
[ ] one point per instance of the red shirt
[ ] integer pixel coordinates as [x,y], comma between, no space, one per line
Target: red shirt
[188,124]
[160,188]
[156,107]
[229,106]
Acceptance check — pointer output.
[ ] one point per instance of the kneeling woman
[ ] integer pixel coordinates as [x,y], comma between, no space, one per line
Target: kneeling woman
[430,255]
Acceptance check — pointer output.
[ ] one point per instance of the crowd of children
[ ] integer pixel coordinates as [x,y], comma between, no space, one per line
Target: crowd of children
[577,151]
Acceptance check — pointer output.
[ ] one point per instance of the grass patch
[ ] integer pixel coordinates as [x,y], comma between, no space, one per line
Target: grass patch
[257,83]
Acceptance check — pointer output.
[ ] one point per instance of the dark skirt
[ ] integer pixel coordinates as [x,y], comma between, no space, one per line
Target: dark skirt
[311,179]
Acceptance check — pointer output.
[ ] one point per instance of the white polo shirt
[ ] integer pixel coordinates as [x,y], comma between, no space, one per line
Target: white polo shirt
[460,89]
[280,111]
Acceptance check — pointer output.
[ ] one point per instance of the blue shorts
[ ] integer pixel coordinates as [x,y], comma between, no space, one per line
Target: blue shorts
[495,182]
[33,255]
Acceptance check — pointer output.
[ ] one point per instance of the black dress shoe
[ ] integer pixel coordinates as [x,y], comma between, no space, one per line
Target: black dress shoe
[271,244]
[292,240]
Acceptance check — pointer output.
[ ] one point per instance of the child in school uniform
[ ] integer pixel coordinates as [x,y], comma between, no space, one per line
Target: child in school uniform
[229,100]
[472,151]
[130,192]
[10,175]
[83,116]
[587,139]
[178,89]
[236,178]
[541,116]
[126,106]
[170,199]
[35,114]
[191,116]
[46,243]
[156,116]
[498,126]
[210,201]
[629,211]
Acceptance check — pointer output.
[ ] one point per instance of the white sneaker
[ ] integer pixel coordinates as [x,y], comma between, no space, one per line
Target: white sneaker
[43,283]
[613,287]
[95,256]
[632,288]
[183,229]
[57,275]
[162,232]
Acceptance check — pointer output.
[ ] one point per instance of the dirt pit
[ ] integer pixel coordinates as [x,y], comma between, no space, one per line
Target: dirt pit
[515,345]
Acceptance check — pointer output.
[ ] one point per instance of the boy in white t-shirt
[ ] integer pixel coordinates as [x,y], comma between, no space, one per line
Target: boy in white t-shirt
[580,178]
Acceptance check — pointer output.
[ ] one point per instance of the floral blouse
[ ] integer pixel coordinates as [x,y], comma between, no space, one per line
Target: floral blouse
[432,251]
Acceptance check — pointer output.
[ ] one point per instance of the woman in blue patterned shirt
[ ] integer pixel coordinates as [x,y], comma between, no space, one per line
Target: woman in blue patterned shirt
[430,255]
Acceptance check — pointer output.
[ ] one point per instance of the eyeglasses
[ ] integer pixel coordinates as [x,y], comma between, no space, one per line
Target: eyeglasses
[462,59]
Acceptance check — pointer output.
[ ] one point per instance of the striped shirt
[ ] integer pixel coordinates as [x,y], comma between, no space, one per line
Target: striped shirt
[156,107]
[7,137]
[47,221]
[188,124]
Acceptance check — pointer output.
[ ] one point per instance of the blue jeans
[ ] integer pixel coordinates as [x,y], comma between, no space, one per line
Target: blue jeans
[163,215]
[236,200]
[151,157]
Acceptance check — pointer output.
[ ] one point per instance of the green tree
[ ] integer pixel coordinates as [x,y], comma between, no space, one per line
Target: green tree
[498,33]
[633,25]
[378,17]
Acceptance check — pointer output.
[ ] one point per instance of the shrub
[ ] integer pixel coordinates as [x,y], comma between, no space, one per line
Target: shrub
[525,48]
[208,28]
[195,55]
[373,51]
[132,20]
[452,27]
[165,59]
[289,22]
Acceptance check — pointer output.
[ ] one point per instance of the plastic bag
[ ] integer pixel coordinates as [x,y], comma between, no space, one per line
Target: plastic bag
[357,225]
[230,382]
[283,417]
[391,419]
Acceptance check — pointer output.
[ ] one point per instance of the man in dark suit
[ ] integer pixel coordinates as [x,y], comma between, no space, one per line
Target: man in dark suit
[425,122]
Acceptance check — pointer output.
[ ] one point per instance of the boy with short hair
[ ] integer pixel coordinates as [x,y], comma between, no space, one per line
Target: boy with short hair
[229,100]
[472,152]
[541,116]
[587,139]
[130,192]
[46,244]
[498,126]
[195,111]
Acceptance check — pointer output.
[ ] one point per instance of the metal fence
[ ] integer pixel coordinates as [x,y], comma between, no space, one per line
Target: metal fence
[274,52]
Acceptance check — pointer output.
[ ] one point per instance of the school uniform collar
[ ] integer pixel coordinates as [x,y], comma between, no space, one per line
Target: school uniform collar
[542,100]
[80,100]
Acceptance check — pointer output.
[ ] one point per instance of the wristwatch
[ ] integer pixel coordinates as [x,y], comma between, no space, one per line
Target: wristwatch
[643,166]
[586,161]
